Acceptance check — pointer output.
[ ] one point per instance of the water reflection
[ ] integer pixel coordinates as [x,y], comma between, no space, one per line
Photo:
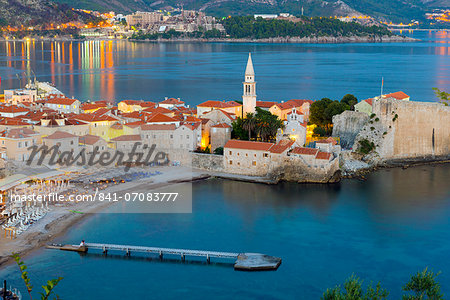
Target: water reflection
[117,70]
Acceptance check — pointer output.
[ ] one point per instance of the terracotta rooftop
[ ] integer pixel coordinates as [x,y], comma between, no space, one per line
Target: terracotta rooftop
[158,109]
[13,109]
[221,125]
[18,133]
[159,118]
[219,104]
[323,155]
[265,104]
[397,95]
[172,101]
[13,122]
[134,124]
[60,135]
[305,151]
[89,139]
[93,105]
[281,146]
[61,101]
[248,145]
[127,138]
[369,101]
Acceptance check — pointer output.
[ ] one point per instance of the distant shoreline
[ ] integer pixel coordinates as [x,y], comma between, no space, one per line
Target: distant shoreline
[277,40]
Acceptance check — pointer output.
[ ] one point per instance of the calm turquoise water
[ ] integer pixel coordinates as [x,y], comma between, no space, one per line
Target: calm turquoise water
[198,72]
[394,224]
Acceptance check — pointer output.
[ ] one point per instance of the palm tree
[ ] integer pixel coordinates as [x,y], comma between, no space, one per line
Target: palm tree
[249,124]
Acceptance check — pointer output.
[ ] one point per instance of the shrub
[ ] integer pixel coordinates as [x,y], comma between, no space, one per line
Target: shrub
[372,116]
[320,131]
[377,119]
[365,146]
[219,151]
[395,118]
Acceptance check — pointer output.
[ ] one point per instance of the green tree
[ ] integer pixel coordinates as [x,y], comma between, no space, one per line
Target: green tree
[423,285]
[249,124]
[238,130]
[317,112]
[353,290]
[350,100]
[444,97]
[48,288]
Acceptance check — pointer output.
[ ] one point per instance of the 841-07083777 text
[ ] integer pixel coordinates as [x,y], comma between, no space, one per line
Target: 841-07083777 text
[137,197]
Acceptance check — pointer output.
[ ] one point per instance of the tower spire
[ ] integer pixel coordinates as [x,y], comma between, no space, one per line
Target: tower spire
[249,70]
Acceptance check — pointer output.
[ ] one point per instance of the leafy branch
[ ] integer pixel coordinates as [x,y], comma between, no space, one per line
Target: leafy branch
[48,289]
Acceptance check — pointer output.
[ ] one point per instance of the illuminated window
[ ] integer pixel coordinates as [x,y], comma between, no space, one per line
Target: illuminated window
[254,163]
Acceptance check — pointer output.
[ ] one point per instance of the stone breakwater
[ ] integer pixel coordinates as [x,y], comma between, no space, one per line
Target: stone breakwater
[299,40]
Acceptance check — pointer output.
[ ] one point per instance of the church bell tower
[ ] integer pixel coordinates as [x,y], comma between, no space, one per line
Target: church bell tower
[249,96]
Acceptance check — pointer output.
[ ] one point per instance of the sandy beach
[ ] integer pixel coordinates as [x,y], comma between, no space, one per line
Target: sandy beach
[60,219]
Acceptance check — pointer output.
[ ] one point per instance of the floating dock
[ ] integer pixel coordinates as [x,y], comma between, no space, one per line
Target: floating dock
[243,261]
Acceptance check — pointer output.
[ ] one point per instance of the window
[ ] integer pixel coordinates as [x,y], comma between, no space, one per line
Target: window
[187,137]
[246,154]
[230,153]
[266,154]
[239,164]
[254,163]
[231,162]
[254,155]
[154,136]
[19,145]
[71,142]
[171,136]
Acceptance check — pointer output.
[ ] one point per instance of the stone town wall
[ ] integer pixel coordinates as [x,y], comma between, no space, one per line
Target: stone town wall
[210,162]
[413,129]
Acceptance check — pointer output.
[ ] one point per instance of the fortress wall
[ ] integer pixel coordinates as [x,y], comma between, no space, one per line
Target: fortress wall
[419,128]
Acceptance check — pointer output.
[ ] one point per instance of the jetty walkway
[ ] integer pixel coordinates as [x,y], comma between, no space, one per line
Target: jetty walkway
[243,261]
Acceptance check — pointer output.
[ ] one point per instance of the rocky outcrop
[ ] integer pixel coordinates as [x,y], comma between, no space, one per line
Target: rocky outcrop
[347,125]
[295,170]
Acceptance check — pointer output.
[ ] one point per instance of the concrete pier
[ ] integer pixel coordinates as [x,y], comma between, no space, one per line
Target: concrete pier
[243,261]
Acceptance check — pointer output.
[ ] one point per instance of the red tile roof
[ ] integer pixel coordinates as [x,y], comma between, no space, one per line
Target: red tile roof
[172,101]
[13,109]
[60,135]
[369,101]
[293,103]
[94,105]
[127,138]
[134,124]
[266,104]
[221,125]
[281,146]
[158,109]
[248,145]
[159,118]
[397,95]
[323,155]
[219,104]
[18,133]
[13,122]
[305,151]
[89,139]
[61,101]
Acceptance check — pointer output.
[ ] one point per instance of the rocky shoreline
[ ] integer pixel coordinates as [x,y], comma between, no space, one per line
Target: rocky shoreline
[277,40]
[294,40]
